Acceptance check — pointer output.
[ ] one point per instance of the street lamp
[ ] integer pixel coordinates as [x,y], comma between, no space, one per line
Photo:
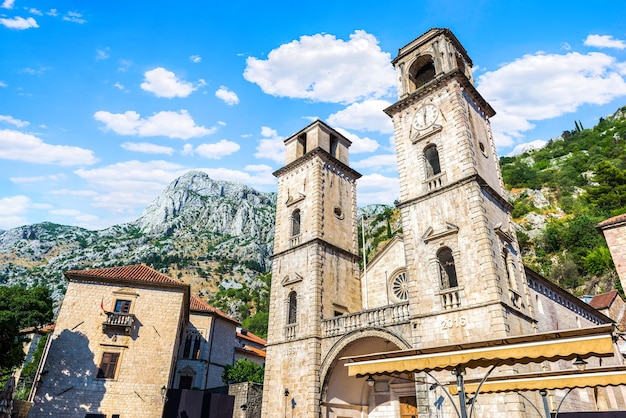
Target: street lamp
[580,364]
[370,381]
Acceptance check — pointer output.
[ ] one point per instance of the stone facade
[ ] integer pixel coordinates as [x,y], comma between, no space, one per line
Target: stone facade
[454,276]
[70,383]
[614,231]
[122,335]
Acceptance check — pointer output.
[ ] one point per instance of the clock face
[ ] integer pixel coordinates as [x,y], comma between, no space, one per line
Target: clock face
[425,116]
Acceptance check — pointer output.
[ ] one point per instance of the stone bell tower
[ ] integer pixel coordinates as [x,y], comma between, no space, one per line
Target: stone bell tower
[315,272]
[463,261]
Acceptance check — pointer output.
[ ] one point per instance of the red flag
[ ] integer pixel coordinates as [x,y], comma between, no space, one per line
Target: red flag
[102,304]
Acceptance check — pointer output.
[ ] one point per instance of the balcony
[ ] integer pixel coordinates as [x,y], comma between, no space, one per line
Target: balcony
[378,317]
[118,322]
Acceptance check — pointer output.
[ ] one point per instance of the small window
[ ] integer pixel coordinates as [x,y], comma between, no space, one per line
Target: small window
[338,212]
[447,269]
[122,306]
[295,223]
[301,145]
[432,161]
[108,365]
[192,346]
[293,308]
[334,143]
[186,382]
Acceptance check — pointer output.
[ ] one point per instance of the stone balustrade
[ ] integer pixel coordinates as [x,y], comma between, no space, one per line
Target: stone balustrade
[378,317]
[117,321]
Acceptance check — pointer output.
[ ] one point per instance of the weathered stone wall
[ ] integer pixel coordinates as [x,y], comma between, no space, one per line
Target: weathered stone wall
[69,386]
[616,239]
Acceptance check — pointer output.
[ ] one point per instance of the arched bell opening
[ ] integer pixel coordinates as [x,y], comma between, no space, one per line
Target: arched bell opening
[421,72]
[367,396]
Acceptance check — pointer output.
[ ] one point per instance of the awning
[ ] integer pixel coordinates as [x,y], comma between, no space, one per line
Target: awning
[534,348]
[567,379]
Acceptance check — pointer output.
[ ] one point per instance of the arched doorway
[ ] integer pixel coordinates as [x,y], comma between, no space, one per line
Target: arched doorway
[349,397]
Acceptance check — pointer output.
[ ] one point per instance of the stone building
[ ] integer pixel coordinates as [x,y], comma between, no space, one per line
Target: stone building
[454,276]
[614,231]
[250,347]
[124,337]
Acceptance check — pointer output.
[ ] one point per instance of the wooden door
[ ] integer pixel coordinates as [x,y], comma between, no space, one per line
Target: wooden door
[408,407]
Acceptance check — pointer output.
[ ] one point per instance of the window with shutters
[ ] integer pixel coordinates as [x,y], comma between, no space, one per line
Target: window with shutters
[108,365]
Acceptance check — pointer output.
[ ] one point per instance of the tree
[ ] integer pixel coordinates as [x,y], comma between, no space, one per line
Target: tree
[20,308]
[257,324]
[243,371]
[609,194]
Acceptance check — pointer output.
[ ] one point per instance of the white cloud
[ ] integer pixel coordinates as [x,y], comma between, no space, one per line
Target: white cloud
[359,144]
[364,116]
[187,149]
[527,146]
[604,41]
[53,12]
[19,23]
[543,86]
[164,83]
[380,162]
[102,54]
[257,179]
[229,97]
[34,11]
[7,4]
[13,121]
[127,186]
[147,148]
[12,211]
[74,192]
[195,59]
[271,146]
[326,69]
[3,84]
[118,86]
[217,150]
[171,124]
[36,179]
[376,188]
[18,146]
[74,17]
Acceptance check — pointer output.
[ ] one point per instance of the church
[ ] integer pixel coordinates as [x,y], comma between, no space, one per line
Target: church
[453,278]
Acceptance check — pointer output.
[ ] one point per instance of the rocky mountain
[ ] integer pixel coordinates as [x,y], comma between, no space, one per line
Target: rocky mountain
[202,231]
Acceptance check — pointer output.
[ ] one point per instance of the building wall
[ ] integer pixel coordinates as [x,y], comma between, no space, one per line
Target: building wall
[69,386]
[616,239]
[216,350]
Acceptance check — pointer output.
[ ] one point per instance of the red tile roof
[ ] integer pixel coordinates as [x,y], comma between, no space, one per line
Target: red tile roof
[615,220]
[138,272]
[251,337]
[198,305]
[258,352]
[604,300]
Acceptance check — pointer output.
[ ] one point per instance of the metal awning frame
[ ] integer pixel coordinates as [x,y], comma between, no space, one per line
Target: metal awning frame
[535,348]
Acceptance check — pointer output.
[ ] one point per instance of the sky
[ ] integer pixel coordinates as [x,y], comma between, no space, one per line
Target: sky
[103,104]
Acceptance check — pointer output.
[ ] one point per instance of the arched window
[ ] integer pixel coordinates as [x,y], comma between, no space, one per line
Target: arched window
[432,160]
[447,271]
[422,71]
[293,308]
[295,223]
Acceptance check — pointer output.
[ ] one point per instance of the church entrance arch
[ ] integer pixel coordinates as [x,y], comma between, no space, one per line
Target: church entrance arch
[350,397]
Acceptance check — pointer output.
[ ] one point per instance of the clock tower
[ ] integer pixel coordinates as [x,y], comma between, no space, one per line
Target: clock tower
[463,262]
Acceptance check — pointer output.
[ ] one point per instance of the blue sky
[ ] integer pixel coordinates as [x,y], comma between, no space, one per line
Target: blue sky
[102,104]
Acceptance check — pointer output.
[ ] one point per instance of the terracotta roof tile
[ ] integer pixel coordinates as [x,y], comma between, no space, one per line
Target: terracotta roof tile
[258,352]
[604,300]
[612,221]
[198,305]
[251,337]
[138,272]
